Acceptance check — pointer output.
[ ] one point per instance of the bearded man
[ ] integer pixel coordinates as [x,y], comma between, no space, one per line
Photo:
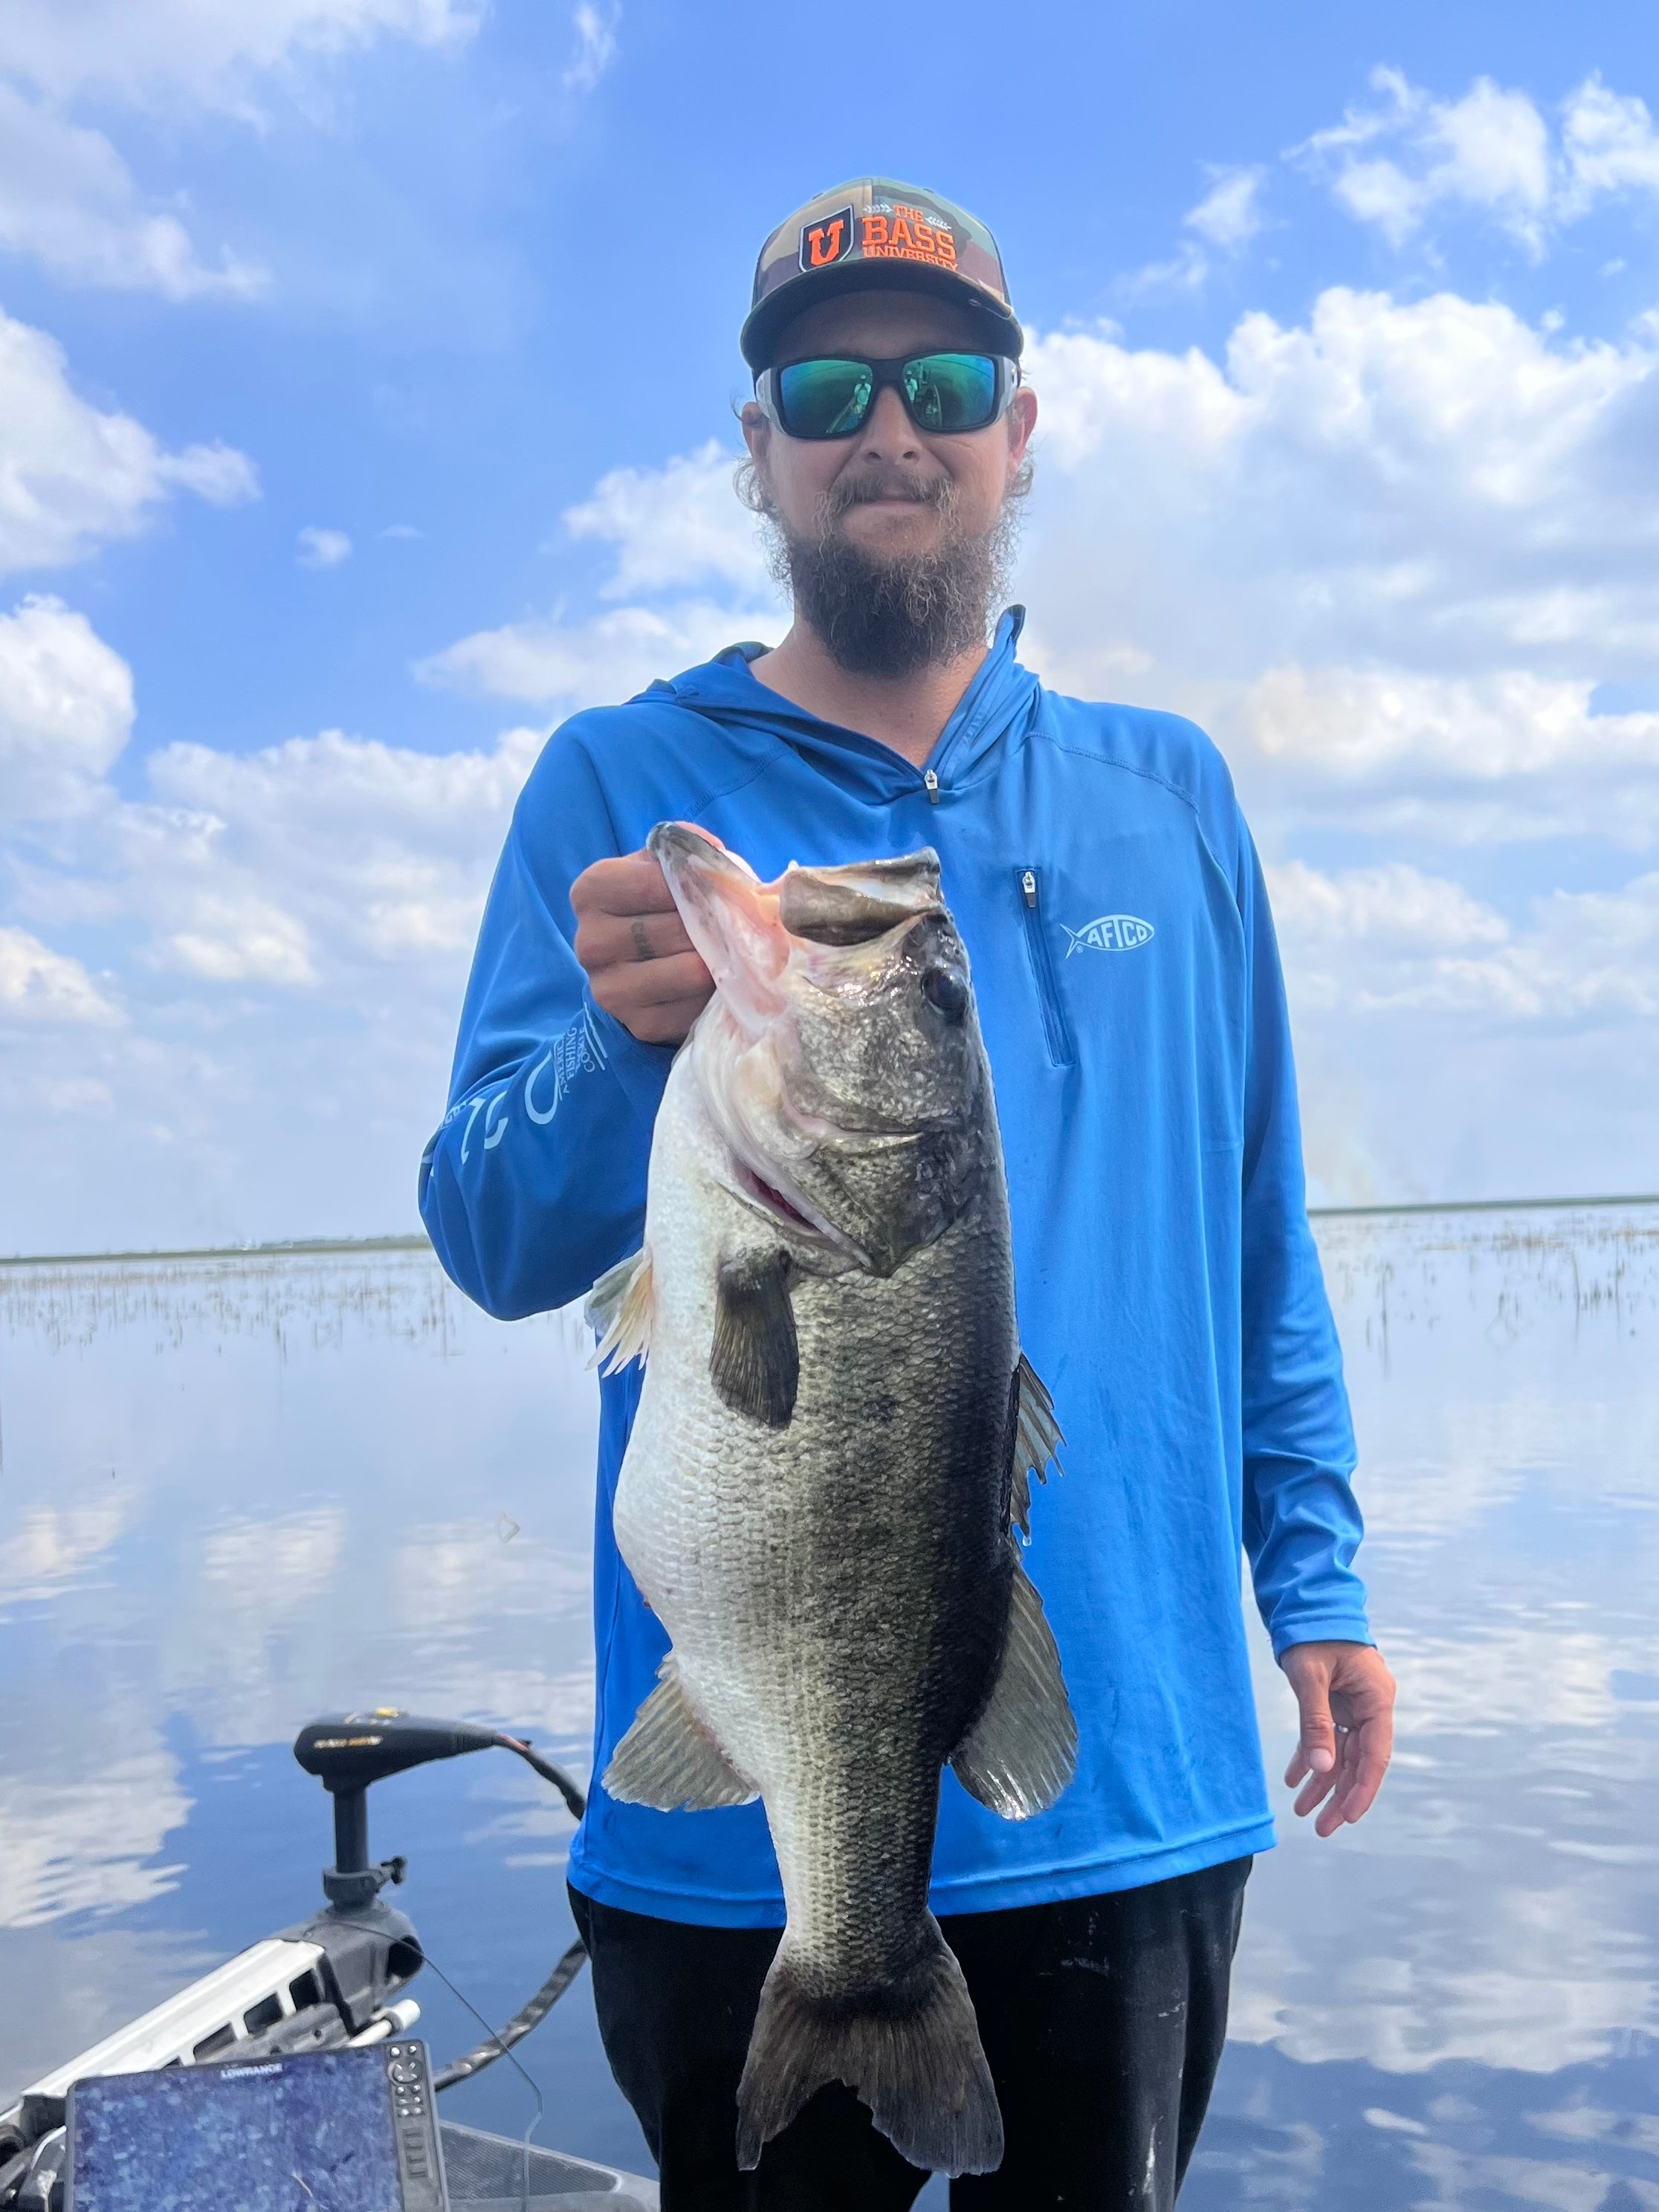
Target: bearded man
[1129,993]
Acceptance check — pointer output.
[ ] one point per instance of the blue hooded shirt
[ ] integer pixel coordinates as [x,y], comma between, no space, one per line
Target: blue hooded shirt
[1129,990]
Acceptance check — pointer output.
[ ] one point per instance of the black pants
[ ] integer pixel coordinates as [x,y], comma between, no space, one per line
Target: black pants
[1102,2020]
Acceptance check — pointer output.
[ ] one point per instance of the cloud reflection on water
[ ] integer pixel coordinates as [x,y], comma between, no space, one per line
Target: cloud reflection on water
[244,1491]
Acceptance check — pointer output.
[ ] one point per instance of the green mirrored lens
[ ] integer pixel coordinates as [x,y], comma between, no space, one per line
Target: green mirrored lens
[948,392]
[823,398]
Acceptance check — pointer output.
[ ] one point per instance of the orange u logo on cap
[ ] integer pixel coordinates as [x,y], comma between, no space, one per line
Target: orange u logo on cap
[826,241]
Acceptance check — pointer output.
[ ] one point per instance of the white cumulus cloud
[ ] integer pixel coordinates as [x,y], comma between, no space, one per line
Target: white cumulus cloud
[288,932]
[1229,213]
[206,51]
[593,45]
[594,662]
[323,549]
[677,531]
[40,985]
[1504,757]
[1492,152]
[1392,939]
[1434,483]
[675,525]
[71,475]
[65,710]
[1609,146]
[68,200]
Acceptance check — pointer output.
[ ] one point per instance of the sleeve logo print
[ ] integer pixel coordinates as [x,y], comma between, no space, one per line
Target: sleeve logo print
[1109,932]
[578,1052]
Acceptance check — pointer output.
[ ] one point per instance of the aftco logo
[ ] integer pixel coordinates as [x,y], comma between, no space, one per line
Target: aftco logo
[1109,932]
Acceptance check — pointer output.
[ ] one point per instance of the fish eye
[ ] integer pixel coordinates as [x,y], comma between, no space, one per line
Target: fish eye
[946,989]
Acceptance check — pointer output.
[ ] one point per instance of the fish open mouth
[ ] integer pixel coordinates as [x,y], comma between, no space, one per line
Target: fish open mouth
[774,1201]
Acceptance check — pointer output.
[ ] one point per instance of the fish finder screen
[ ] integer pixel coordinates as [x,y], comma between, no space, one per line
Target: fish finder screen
[311,2133]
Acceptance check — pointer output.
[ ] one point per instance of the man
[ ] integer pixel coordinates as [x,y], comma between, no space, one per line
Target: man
[1129,992]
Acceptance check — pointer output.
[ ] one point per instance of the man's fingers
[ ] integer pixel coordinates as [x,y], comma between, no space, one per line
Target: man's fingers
[1317,1748]
[666,1025]
[1312,1795]
[658,983]
[1368,1749]
[618,940]
[634,883]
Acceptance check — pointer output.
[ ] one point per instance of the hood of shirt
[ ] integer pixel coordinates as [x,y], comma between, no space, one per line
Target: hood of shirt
[993,717]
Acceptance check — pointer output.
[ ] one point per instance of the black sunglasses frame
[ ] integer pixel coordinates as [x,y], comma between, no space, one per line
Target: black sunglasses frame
[885,376]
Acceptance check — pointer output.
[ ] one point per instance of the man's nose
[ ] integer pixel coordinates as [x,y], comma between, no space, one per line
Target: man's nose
[889,434]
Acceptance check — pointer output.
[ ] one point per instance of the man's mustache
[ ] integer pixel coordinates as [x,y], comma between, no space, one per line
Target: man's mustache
[870,484]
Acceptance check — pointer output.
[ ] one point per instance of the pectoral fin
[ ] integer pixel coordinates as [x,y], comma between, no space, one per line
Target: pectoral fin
[619,1309]
[668,1760]
[1022,1751]
[755,1362]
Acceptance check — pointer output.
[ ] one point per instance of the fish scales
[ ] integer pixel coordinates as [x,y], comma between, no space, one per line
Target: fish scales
[836,1572]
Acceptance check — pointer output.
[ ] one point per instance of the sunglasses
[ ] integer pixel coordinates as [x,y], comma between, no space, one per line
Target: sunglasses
[945,393]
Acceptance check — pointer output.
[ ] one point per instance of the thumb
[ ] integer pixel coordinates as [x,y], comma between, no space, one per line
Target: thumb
[1318,1734]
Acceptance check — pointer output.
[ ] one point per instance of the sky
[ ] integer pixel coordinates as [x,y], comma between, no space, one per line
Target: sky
[367,371]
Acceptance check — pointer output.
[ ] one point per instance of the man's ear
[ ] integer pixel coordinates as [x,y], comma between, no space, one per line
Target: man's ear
[1022,421]
[753,487]
[756,430]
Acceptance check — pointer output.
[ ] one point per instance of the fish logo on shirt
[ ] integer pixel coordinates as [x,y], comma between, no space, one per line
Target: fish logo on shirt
[1109,932]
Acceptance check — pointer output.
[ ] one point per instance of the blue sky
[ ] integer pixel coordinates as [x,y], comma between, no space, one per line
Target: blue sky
[365,406]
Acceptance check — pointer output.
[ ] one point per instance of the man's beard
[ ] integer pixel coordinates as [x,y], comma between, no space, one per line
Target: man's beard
[892,616]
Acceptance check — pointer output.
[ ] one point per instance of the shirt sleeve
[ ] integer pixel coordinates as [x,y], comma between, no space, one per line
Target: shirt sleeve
[1301,1520]
[535,1181]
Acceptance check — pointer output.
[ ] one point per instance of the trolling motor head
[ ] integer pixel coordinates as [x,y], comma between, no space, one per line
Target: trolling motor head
[347,1751]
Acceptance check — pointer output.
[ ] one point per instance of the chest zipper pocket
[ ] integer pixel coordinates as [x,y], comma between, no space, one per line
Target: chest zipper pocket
[1056,1030]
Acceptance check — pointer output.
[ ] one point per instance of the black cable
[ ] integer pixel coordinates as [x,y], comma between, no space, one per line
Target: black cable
[531,2015]
[501,2052]
[556,1774]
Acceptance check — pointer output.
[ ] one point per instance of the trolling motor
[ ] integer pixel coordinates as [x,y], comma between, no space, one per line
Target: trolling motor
[350,1751]
[331,1981]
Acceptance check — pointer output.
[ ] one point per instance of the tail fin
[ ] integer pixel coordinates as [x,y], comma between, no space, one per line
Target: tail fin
[911,2052]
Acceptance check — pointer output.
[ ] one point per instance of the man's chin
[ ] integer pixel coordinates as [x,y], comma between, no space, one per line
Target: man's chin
[894,531]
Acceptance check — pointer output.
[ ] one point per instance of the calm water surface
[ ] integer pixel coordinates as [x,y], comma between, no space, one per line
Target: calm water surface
[238,1492]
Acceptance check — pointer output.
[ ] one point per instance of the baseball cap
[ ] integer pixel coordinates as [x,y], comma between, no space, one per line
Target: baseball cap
[875,232]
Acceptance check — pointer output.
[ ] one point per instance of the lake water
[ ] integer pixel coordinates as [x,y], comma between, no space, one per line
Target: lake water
[240,1492]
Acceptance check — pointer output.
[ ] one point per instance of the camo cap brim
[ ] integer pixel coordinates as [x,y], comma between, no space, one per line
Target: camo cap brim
[875,232]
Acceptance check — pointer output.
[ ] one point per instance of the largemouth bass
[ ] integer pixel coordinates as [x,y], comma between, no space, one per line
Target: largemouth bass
[832,1452]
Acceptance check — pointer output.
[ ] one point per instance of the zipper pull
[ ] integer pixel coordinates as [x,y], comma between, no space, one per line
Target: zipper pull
[1028,885]
[930,784]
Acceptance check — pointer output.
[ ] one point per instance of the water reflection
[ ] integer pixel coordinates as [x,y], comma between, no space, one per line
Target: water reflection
[242,1491]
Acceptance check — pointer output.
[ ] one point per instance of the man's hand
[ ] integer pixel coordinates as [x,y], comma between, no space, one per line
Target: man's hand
[629,938]
[1346,1696]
